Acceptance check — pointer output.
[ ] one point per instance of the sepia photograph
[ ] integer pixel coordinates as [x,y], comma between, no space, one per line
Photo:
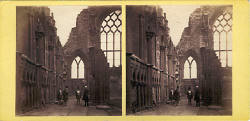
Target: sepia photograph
[124,60]
[68,61]
[179,60]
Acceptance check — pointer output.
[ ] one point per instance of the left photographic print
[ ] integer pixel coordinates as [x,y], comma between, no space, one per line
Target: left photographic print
[68,61]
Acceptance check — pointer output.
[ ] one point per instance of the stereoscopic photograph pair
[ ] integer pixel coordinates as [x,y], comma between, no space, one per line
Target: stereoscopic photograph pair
[69,60]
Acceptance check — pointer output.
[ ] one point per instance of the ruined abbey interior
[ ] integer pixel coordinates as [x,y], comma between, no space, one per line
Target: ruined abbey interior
[91,58]
[202,57]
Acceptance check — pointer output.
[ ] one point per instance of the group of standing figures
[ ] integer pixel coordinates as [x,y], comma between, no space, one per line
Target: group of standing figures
[196,96]
[84,96]
[174,96]
[62,96]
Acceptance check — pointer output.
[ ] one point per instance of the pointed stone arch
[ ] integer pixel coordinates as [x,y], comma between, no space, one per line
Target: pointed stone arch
[73,83]
[190,68]
[70,58]
[195,55]
[84,41]
[185,83]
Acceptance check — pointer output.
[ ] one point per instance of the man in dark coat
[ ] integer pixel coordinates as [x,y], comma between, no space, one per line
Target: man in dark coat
[197,96]
[65,95]
[85,96]
[189,95]
[60,96]
[171,96]
[177,96]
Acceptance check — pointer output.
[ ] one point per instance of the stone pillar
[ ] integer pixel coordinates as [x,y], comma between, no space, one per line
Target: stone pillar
[149,36]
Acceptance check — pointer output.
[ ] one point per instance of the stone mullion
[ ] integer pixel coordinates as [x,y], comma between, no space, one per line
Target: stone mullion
[155,51]
[77,69]
[141,82]
[139,88]
[137,94]
[140,95]
[27,92]
[28,89]
[120,48]
[106,45]
[144,87]
[226,50]
[113,49]
[143,96]
[140,37]
[29,37]
[219,44]
[32,95]
[149,77]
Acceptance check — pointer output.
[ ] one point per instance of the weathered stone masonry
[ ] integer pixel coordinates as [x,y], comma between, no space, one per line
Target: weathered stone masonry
[151,58]
[39,59]
[84,41]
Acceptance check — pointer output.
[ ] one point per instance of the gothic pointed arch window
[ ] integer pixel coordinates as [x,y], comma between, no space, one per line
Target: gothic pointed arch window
[111,36]
[222,30]
[77,68]
[190,68]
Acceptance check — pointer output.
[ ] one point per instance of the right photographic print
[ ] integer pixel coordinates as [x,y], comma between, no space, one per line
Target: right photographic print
[179,60]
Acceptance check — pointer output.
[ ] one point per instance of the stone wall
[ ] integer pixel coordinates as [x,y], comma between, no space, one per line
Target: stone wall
[197,42]
[151,58]
[84,41]
[39,59]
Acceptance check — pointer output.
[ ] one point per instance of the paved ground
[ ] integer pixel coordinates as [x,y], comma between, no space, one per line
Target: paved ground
[184,109]
[72,109]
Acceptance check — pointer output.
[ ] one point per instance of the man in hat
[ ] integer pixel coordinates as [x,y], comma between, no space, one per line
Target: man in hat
[197,96]
[85,96]
[171,95]
[60,96]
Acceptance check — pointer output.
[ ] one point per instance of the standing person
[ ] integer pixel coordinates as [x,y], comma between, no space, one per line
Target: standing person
[65,95]
[86,96]
[171,95]
[78,95]
[177,96]
[189,96]
[60,96]
[197,96]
